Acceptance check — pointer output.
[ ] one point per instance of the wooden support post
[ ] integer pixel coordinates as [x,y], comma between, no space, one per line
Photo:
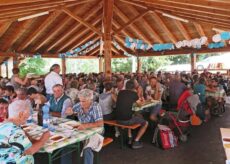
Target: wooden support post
[63,68]
[107,24]
[0,69]
[101,65]
[193,62]
[7,70]
[139,65]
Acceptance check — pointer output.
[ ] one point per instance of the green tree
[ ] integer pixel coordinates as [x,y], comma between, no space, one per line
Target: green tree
[153,63]
[32,65]
[122,65]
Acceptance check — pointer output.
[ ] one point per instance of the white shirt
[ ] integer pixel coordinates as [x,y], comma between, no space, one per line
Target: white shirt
[18,106]
[52,79]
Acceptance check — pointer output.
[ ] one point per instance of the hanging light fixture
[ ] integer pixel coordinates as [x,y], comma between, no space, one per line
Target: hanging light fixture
[33,16]
[175,17]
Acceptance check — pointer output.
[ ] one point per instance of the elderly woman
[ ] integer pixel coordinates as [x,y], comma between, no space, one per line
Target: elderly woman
[89,114]
[16,146]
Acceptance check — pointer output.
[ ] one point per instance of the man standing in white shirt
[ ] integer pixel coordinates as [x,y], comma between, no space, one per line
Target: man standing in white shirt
[52,79]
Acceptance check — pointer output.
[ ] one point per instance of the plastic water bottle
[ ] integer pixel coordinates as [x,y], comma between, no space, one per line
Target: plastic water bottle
[30,119]
[46,121]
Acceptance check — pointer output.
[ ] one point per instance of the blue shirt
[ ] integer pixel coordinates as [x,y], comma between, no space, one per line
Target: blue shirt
[94,113]
[13,143]
[200,90]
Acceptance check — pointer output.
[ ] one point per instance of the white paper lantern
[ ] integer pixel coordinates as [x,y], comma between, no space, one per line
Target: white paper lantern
[216,38]
[203,40]
[184,43]
[189,44]
[179,44]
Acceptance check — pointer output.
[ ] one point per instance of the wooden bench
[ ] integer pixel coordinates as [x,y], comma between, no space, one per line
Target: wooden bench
[114,123]
[106,142]
[122,127]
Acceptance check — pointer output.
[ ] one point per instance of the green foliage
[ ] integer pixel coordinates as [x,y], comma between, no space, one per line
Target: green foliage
[84,65]
[151,64]
[122,65]
[32,65]
[180,59]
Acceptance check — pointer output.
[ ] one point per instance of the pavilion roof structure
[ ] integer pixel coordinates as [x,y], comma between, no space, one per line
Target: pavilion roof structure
[69,24]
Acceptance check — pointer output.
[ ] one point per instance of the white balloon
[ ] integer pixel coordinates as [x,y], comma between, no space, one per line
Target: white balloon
[216,38]
[203,40]
[178,44]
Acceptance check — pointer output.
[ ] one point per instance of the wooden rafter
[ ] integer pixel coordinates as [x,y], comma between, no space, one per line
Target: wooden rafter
[149,28]
[17,33]
[183,30]
[52,33]
[131,21]
[4,27]
[185,8]
[162,24]
[38,31]
[200,30]
[107,37]
[80,20]
[74,28]
[77,38]
[133,26]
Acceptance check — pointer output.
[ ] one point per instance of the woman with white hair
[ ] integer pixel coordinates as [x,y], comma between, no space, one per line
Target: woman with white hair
[15,146]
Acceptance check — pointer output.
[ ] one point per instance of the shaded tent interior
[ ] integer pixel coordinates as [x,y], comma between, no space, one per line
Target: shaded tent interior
[72,23]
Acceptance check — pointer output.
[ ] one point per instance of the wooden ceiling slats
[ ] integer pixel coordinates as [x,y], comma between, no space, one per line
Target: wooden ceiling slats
[141,19]
[133,26]
[77,37]
[4,27]
[187,8]
[63,36]
[80,20]
[38,31]
[202,4]
[183,30]
[199,28]
[146,24]
[21,27]
[162,24]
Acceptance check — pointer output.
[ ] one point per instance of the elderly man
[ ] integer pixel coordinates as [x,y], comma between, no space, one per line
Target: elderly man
[51,79]
[89,114]
[20,103]
[59,102]
[3,109]
[16,146]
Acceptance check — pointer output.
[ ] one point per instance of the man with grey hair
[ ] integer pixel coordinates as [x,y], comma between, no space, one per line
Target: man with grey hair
[89,114]
[51,79]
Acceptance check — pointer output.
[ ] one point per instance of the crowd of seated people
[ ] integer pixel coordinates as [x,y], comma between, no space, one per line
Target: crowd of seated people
[94,97]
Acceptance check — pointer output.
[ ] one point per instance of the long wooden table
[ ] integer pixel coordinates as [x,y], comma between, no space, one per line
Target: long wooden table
[72,140]
[147,104]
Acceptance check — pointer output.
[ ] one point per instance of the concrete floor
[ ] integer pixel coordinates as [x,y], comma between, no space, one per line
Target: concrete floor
[204,146]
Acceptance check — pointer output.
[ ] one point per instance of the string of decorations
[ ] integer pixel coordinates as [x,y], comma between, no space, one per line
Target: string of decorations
[81,50]
[196,43]
[119,48]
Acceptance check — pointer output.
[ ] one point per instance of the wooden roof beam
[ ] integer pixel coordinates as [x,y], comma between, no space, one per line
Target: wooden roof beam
[73,29]
[183,30]
[77,37]
[16,34]
[200,30]
[80,20]
[4,27]
[162,24]
[133,26]
[38,31]
[146,24]
[185,8]
[131,21]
